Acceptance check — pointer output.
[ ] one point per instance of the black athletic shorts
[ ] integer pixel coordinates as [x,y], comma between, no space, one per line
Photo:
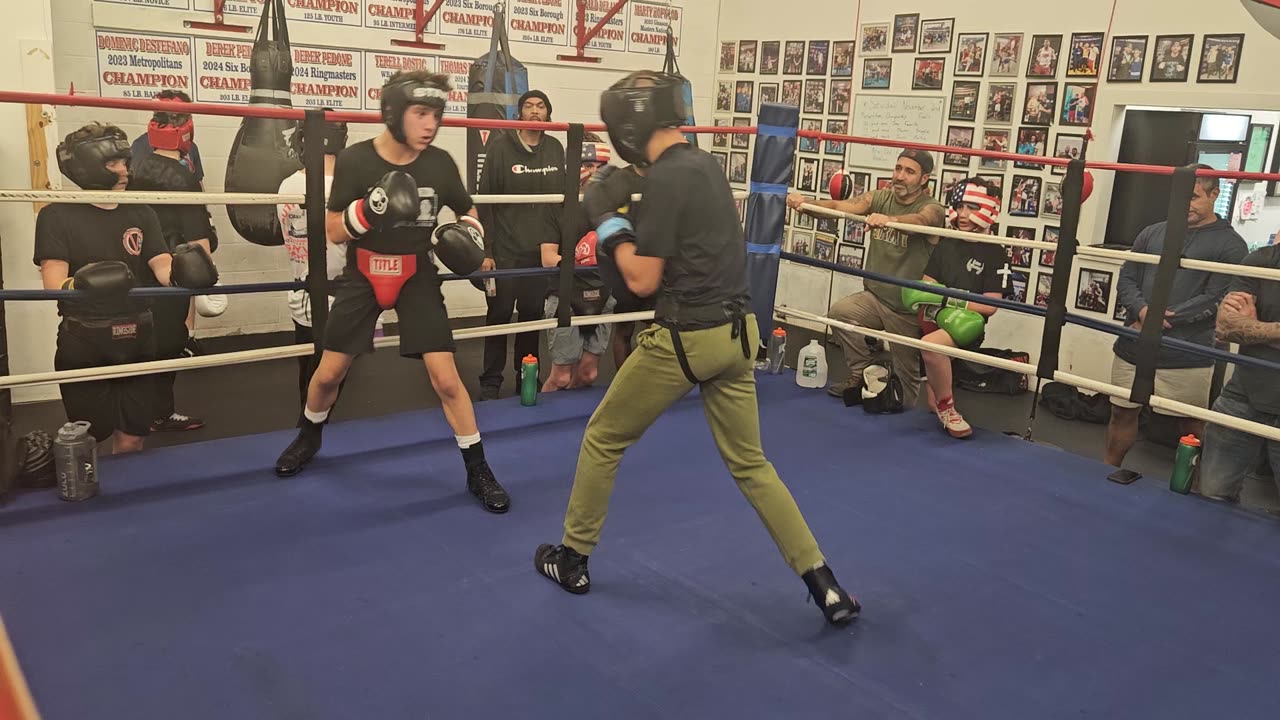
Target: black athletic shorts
[126,404]
[423,319]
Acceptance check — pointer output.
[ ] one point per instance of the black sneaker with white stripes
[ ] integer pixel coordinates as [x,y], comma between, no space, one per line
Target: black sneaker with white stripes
[837,605]
[563,565]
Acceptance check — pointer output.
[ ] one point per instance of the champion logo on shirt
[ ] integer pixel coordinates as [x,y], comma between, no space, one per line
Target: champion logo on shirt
[526,170]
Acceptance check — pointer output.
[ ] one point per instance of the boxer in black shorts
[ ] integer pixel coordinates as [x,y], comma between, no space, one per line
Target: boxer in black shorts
[105,250]
[385,196]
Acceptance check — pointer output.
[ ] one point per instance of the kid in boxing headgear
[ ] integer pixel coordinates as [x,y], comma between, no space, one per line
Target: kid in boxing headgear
[635,107]
[595,155]
[982,201]
[84,154]
[415,87]
[172,130]
[334,138]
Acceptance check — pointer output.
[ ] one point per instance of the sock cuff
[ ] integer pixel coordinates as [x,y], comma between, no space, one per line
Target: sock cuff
[466,441]
[315,417]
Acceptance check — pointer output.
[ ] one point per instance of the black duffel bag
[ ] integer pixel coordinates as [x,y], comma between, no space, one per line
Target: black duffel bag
[976,377]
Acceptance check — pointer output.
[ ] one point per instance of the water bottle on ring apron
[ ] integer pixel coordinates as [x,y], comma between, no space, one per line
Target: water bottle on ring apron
[1184,464]
[777,350]
[75,457]
[529,381]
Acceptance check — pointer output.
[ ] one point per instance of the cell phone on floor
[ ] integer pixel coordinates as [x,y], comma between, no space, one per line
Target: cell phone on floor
[1124,477]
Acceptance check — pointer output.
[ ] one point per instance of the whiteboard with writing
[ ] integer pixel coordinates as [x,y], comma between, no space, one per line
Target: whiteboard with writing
[914,118]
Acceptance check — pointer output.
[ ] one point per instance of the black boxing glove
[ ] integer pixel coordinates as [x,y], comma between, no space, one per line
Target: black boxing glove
[393,199]
[460,245]
[192,268]
[106,279]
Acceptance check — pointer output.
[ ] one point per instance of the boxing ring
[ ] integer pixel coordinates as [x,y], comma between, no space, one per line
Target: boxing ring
[999,578]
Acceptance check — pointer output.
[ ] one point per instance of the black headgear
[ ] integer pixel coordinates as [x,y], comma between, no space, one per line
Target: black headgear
[399,93]
[85,160]
[632,114]
[335,138]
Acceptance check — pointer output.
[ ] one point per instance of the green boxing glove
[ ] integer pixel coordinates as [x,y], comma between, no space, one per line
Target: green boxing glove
[964,326]
[914,299]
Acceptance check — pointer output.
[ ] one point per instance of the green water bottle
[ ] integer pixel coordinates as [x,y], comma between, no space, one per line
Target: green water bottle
[1184,464]
[529,381]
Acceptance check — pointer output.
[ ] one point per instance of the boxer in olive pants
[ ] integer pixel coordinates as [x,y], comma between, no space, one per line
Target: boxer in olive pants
[649,383]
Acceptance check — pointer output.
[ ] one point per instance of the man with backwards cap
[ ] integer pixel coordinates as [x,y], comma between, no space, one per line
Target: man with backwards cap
[693,257]
[519,162]
[889,252]
[383,203]
[975,267]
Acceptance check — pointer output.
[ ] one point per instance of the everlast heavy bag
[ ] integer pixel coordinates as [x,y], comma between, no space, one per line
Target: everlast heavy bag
[672,67]
[262,156]
[495,84]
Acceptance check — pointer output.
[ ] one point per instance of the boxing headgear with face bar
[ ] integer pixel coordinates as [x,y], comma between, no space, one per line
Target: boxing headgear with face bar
[634,108]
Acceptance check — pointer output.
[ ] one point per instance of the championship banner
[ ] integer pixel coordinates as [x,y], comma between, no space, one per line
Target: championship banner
[170,4]
[459,72]
[467,18]
[324,77]
[541,22]
[222,71]
[648,23]
[612,37]
[137,65]
[396,15]
[379,66]
[330,12]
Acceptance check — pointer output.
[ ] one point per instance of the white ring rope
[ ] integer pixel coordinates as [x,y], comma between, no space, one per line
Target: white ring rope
[112,372]
[1260,273]
[1217,418]
[114,197]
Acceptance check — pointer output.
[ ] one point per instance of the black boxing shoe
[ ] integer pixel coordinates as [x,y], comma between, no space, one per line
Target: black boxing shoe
[301,450]
[565,566]
[482,484]
[836,604]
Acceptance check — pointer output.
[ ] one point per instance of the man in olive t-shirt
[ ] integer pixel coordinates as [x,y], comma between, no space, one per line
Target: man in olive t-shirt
[889,252]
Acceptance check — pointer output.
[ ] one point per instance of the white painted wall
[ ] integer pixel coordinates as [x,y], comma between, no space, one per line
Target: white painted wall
[1084,352]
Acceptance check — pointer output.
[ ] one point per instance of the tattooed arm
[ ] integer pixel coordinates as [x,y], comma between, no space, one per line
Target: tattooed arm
[1238,322]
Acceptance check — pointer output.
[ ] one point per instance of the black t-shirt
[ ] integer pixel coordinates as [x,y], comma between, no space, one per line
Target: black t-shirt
[969,266]
[693,224]
[360,167]
[180,223]
[83,234]
[1259,387]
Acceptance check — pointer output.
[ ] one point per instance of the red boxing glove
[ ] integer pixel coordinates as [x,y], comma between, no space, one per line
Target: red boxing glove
[584,253]
[841,185]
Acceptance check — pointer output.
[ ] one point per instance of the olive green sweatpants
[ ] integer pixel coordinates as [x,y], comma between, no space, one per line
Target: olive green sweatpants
[648,383]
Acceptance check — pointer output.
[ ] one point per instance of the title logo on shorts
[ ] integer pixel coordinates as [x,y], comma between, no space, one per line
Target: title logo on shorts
[133,241]
[124,331]
[385,265]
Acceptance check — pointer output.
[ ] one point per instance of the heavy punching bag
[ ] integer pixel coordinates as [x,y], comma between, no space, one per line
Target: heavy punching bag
[671,67]
[496,82]
[1267,13]
[262,156]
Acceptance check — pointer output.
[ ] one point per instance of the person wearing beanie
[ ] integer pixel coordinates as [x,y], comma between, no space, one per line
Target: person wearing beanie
[522,162]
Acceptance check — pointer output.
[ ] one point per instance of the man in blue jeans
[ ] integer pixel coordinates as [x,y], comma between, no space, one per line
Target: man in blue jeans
[1249,315]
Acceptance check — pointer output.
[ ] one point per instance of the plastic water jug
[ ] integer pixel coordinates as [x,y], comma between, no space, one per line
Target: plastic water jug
[811,367]
[75,457]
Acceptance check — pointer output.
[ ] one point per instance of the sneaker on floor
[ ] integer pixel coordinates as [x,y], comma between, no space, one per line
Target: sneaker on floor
[482,484]
[954,424]
[563,565]
[838,389]
[301,450]
[837,605]
[177,422]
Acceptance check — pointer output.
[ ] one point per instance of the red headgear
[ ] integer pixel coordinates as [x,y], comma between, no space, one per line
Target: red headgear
[171,131]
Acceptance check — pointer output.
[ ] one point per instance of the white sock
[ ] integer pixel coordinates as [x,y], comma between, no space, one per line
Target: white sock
[315,417]
[466,441]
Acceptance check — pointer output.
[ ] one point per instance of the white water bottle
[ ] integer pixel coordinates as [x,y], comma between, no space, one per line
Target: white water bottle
[811,367]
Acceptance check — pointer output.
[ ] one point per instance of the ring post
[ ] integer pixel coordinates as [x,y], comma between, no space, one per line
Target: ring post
[1056,317]
[771,172]
[6,398]
[569,222]
[317,270]
[1175,237]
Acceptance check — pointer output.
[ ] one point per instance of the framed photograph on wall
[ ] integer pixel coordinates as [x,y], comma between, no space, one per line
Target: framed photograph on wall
[740,141]
[815,96]
[1077,104]
[1043,60]
[793,58]
[1044,284]
[876,73]
[905,30]
[842,59]
[948,184]
[719,140]
[928,73]
[737,167]
[841,101]
[829,168]
[1000,100]
[828,225]
[1020,257]
[1220,58]
[802,243]
[855,233]
[835,147]
[723,159]
[1052,200]
[809,145]
[935,35]
[1067,146]
[768,93]
[849,255]
[1032,141]
[874,39]
[802,220]
[747,56]
[743,94]
[1006,55]
[728,56]
[958,137]
[1017,287]
[1093,292]
[1024,196]
[971,54]
[807,175]
[724,96]
[996,181]
[1047,257]
[884,183]
[964,100]
[1084,58]
[819,54]
[791,90]
[1172,60]
[1121,315]
[1128,58]
[994,141]
[770,60]
[1040,103]
[824,248]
